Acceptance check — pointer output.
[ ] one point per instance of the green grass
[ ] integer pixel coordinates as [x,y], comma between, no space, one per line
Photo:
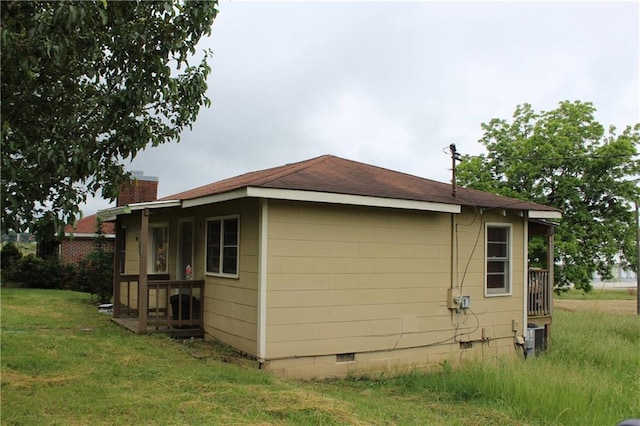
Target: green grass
[599,294]
[64,363]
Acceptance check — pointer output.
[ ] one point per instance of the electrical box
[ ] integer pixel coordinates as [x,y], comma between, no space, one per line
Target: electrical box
[465,303]
[456,301]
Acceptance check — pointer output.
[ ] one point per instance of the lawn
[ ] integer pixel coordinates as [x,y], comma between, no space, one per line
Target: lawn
[65,363]
[599,294]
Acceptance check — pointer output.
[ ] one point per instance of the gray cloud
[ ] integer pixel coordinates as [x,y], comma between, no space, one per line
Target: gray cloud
[392,84]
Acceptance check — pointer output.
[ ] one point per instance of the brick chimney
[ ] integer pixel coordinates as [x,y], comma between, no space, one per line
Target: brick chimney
[139,190]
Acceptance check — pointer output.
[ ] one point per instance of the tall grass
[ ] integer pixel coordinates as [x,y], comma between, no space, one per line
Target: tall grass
[63,363]
[591,375]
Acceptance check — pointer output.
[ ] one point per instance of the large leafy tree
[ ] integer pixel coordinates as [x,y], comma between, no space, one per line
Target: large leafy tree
[86,85]
[566,159]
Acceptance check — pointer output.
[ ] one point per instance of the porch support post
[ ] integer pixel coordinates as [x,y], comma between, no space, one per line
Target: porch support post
[116,267]
[143,302]
[550,266]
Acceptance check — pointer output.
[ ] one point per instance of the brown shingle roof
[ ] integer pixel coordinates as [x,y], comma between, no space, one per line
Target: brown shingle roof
[87,225]
[337,175]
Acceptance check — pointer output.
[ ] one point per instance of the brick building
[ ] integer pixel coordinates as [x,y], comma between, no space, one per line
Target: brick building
[78,240]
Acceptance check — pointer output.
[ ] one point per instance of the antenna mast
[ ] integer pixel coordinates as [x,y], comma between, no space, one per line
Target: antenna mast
[455,156]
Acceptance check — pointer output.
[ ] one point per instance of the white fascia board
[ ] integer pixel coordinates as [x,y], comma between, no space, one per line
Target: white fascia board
[113,212]
[321,197]
[155,205]
[540,214]
[357,200]
[217,198]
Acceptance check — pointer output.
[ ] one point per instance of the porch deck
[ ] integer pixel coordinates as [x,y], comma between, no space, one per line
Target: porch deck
[172,307]
[132,324]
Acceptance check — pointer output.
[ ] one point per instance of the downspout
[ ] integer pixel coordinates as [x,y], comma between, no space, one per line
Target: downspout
[525,289]
[262,281]
[454,257]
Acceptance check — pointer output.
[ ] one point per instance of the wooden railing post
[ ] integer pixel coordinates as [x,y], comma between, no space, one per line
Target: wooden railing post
[539,297]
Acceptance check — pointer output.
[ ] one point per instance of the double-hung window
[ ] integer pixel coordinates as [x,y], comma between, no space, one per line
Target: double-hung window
[498,259]
[222,246]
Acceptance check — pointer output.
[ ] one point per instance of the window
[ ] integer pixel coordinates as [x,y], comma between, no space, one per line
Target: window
[159,235]
[222,246]
[498,259]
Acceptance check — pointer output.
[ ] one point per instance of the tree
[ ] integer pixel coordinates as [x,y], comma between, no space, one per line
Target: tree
[86,85]
[564,158]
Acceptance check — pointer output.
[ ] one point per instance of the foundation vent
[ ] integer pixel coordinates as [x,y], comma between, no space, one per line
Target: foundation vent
[350,357]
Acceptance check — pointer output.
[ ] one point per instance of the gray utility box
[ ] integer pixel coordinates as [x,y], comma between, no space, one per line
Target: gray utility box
[535,341]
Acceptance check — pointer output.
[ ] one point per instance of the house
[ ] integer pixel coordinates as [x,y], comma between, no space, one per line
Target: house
[78,240]
[330,267]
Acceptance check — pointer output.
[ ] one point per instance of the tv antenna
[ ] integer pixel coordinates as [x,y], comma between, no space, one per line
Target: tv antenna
[455,156]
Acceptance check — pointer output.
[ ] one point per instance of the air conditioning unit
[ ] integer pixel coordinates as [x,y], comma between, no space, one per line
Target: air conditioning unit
[535,341]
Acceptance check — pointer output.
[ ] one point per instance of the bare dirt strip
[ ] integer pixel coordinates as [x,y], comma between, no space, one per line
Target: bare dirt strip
[622,307]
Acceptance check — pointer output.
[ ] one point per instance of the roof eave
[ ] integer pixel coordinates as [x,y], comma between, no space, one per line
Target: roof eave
[113,212]
[544,214]
[322,197]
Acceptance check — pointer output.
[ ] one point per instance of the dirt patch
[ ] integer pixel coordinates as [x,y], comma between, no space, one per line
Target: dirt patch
[622,307]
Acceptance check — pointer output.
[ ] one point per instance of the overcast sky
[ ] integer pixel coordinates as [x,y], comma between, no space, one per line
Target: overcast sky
[392,84]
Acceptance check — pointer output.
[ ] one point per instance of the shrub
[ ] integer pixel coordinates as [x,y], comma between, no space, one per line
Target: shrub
[10,255]
[34,272]
[95,275]
[95,272]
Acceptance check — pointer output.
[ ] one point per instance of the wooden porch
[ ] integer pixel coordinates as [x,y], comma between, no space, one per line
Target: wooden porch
[172,307]
[540,285]
[153,303]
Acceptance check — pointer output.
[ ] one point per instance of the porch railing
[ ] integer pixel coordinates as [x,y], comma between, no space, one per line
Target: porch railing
[540,293]
[171,304]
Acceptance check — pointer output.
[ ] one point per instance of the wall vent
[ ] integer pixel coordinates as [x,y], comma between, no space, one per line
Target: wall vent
[350,357]
[466,345]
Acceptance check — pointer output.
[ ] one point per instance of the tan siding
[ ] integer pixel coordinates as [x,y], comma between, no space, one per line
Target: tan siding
[230,306]
[391,362]
[497,311]
[346,279]
[132,258]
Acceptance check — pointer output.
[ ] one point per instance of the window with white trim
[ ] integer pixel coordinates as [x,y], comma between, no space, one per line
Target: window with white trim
[498,259]
[159,253]
[222,246]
